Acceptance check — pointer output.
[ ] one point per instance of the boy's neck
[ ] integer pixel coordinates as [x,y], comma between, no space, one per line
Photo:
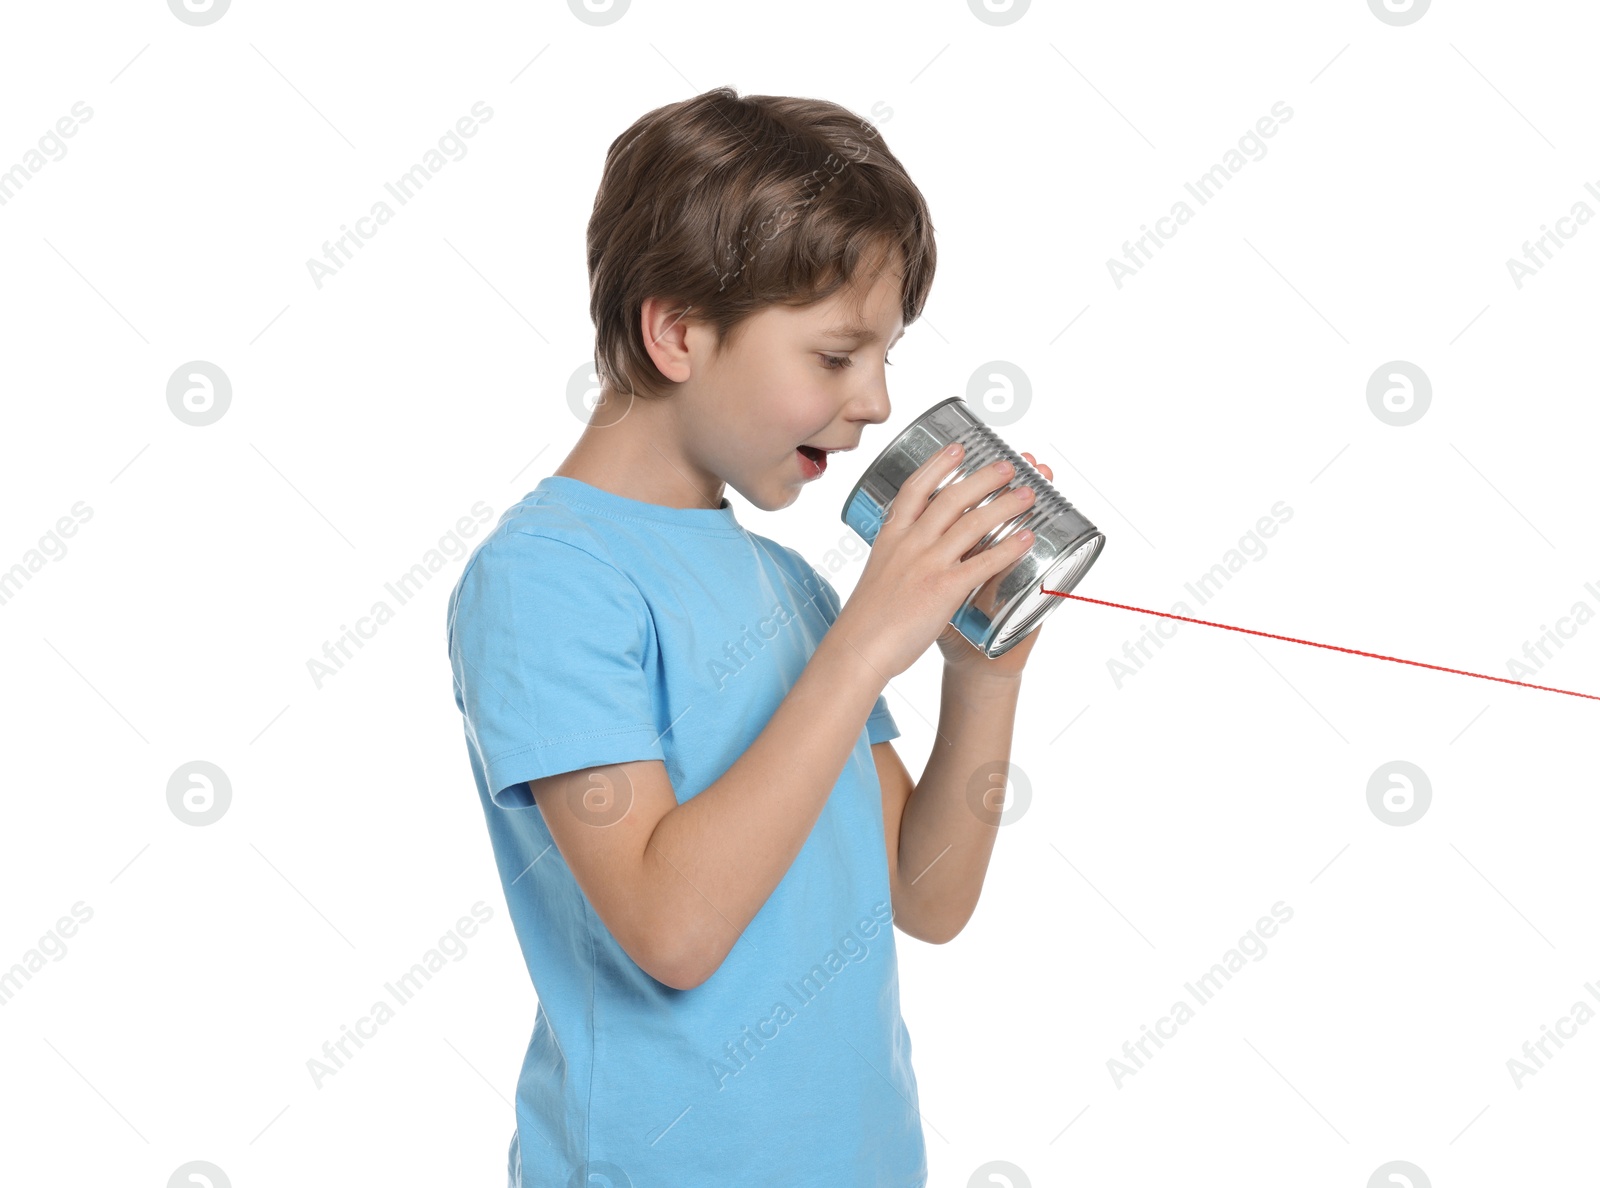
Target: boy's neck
[637,463]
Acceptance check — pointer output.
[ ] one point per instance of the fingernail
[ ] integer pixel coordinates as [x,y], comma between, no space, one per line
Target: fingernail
[953,449]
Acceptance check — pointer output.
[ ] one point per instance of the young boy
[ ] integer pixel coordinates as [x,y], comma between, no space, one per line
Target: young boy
[679,737]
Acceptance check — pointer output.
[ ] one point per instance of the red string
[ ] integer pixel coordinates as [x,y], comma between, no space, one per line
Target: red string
[1312,643]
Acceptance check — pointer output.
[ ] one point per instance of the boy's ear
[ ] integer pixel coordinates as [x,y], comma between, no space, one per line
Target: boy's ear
[666,336]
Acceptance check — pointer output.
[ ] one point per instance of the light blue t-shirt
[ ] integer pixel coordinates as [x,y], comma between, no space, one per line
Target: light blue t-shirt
[588,628]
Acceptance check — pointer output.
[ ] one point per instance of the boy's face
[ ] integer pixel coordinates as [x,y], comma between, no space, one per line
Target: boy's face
[790,376]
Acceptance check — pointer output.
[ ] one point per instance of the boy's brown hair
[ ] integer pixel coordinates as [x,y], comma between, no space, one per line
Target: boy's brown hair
[724,205]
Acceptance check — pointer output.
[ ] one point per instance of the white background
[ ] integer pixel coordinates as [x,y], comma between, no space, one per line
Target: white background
[1167,814]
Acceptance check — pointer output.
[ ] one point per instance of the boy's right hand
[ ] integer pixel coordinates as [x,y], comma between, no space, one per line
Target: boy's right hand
[915,579]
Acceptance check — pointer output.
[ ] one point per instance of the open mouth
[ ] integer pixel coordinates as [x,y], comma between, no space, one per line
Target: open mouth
[813,460]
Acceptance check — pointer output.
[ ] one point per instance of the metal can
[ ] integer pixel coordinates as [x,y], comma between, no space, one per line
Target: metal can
[1065,544]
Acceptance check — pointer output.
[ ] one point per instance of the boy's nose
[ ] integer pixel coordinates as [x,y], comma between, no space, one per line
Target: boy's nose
[871,404]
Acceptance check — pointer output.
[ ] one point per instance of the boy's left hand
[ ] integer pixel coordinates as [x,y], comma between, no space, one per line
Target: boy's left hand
[962,657]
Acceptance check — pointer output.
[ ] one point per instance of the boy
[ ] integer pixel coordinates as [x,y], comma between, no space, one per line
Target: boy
[679,737]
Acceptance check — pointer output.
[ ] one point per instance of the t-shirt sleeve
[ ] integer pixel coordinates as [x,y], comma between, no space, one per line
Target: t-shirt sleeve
[880,723]
[548,648]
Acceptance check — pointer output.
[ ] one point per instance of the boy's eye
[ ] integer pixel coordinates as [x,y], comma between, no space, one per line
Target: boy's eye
[840,362]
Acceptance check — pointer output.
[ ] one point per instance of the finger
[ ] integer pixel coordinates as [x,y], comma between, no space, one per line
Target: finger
[984,521]
[912,499]
[993,559]
[1042,467]
[950,503]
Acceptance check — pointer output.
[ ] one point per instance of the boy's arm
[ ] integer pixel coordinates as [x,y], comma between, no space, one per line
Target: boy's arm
[940,832]
[677,884]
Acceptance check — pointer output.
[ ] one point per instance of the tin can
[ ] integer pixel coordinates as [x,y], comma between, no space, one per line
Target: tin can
[1065,544]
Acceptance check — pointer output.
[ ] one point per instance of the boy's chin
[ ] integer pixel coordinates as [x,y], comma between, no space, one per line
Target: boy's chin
[787,499]
[771,499]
